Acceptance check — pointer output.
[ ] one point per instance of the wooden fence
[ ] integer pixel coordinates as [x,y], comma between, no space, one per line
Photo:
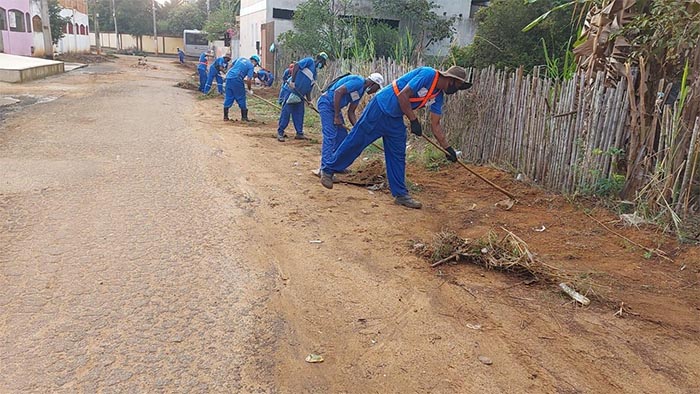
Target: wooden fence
[566,136]
[570,137]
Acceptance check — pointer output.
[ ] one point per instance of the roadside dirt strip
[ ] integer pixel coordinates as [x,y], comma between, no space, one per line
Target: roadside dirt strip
[147,246]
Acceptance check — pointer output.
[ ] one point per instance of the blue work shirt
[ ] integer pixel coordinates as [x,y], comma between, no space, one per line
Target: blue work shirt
[220,61]
[202,62]
[419,80]
[266,77]
[305,76]
[242,68]
[355,85]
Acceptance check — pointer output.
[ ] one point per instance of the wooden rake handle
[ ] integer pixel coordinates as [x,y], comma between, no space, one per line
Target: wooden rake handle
[312,107]
[495,186]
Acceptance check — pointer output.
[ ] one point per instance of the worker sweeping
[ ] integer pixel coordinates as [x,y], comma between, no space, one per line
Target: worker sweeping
[345,92]
[298,87]
[240,75]
[219,66]
[202,70]
[383,117]
[181,56]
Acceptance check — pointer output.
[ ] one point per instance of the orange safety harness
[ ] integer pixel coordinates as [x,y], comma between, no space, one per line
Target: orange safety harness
[421,100]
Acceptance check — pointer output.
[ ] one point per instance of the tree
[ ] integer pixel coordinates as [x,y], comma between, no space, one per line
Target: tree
[317,28]
[56,21]
[184,17]
[419,19]
[222,19]
[135,17]
[500,41]
[384,39]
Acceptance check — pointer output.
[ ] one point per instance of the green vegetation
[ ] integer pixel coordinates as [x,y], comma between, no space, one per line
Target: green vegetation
[500,41]
[322,25]
[56,21]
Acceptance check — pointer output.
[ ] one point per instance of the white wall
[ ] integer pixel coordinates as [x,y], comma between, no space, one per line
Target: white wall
[74,42]
[253,14]
[38,36]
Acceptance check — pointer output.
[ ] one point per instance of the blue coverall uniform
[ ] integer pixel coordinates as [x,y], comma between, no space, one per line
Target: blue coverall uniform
[305,78]
[219,63]
[202,69]
[266,77]
[181,55]
[383,118]
[235,88]
[334,135]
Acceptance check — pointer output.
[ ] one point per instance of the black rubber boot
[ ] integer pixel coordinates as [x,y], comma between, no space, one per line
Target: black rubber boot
[226,114]
[244,115]
[408,201]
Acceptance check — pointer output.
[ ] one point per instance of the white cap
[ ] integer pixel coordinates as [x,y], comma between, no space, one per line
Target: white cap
[376,78]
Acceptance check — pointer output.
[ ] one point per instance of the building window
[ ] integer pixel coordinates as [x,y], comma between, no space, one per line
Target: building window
[82,30]
[3,19]
[70,28]
[76,29]
[281,13]
[29,22]
[16,19]
[36,23]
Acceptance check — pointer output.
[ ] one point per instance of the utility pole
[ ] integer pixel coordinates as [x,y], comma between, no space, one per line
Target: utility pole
[97,31]
[155,33]
[207,8]
[116,31]
[46,27]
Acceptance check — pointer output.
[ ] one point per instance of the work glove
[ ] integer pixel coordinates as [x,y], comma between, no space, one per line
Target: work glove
[250,92]
[291,85]
[451,155]
[415,127]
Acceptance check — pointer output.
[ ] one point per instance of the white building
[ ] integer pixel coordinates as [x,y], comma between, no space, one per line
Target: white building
[262,21]
[77,34]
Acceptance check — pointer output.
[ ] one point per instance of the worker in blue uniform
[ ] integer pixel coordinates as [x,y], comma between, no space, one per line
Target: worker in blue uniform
[239,75]
[266,77]
[345,92]
[215,70]
[383,117]
[181,56]
[298,88]
[202,70]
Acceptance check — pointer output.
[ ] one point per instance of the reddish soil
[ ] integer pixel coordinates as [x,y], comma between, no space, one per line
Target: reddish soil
[387,322]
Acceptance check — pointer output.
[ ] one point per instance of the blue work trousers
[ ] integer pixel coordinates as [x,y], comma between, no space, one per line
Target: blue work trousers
[210,80]
[235,91]
[202,78]
[374,124]
[333,135]
[296,111]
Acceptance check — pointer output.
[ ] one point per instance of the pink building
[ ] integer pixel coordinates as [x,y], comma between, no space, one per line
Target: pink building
[16,27]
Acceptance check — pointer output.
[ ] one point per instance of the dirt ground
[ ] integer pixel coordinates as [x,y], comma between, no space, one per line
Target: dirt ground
[147,246]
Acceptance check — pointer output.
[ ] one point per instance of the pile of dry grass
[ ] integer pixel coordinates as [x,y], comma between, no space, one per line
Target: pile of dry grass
[371,173]
[189,85]
[507,253]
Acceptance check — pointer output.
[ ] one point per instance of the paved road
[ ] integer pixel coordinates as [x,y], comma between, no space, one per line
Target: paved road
[120,261]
